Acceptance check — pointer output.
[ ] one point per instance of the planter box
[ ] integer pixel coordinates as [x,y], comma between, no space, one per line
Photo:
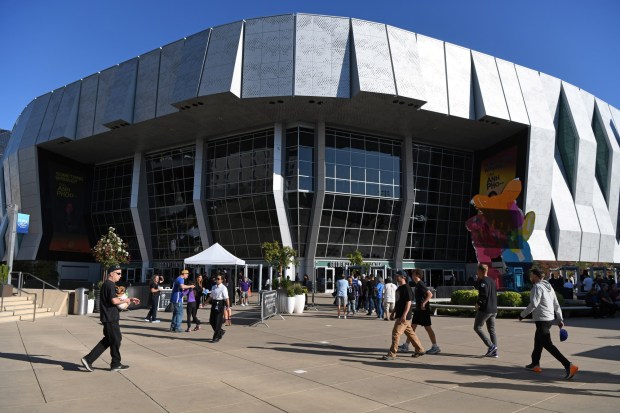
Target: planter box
[7,290]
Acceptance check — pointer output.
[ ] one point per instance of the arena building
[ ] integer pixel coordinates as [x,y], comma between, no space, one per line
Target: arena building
[327,134]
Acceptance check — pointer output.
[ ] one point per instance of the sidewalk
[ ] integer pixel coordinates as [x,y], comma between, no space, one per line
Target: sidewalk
[306,363]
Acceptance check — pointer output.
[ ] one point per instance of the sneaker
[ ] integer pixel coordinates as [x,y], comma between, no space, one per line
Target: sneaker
[534,367]
[155,321]
[490,351]
[196,328]
[147,320]
[86,364]
[433,350]
[188,330]
[418,354]
[494,354]
[386,357]
[571,370]
[119,367]
[403,348]
[345,317]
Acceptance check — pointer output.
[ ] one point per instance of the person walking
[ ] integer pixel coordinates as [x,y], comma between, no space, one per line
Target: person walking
[371,293]
[244,287]
[486,309]
[402,315]
[422,313]
[192,306]
[389,296]
[544,306]
[176,298]
[379,297]
[342,286]
[219,300]
[109,317]
[151,317]
[351,297]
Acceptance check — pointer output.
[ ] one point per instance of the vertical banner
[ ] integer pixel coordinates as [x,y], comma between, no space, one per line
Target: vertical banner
[497,170]
[23,222]
[67,198]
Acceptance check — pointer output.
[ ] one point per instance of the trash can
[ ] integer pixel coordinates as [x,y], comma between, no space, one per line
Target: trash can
[80,303]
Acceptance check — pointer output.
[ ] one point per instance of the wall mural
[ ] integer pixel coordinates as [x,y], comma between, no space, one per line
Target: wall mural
[500,230]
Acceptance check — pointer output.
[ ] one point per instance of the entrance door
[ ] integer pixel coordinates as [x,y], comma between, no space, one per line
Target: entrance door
[330,280]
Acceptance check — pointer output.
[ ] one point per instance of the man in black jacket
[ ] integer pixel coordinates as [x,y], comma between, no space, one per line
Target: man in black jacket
[486,307]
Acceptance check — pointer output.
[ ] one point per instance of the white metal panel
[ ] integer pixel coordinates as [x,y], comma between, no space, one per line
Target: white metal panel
[568,230]
[490,101]
[512,92]
[458,72]
[552,87]
[433,66]
[278,185]
[586,147]
[613,183]
[588,102]
[322,56]
[605,226]
[590,236]
[373,69]
[406,64]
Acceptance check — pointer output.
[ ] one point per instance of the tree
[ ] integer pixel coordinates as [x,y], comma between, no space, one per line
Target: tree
[357,259]
[111,250]
[278,256]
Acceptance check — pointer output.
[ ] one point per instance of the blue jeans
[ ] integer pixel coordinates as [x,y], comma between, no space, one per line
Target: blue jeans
[379,307]
[370,304]
[352,306]
[177,316]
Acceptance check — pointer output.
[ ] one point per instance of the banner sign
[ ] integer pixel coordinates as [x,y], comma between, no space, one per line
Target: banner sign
[23,222]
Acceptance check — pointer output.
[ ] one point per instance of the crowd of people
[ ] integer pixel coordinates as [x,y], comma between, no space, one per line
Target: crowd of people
[601,293]
[406,302]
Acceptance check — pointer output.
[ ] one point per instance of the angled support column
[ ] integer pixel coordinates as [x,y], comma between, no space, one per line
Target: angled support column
[407,205]
[199,197]
[139,207]
[278,187]
[319,197]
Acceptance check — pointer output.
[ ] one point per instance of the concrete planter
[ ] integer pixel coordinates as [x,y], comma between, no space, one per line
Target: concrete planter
[7,290]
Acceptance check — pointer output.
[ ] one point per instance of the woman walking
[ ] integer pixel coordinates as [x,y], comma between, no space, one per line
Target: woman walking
[192,306]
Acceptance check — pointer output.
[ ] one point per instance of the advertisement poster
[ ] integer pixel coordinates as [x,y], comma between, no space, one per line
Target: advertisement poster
[23,222]
[497,170]
[67,197]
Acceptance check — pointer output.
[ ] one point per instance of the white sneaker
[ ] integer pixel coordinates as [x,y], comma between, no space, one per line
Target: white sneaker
[147,320]
[345,317]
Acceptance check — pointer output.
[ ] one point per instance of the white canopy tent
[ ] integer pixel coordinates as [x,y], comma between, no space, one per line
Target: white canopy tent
[214,255]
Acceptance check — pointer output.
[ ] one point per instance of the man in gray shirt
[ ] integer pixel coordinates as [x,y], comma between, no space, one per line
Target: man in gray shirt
[486,307]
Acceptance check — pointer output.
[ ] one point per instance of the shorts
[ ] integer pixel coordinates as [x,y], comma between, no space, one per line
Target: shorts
[244,294]
[422,318]
[341,300]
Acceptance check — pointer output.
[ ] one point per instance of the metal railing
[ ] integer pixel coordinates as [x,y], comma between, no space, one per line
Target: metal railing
[34,303]
[22,277]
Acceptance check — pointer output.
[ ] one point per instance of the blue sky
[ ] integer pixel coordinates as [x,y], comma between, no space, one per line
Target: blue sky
[47,44]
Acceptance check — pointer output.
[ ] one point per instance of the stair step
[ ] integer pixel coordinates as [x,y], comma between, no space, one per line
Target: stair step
[39,315]
[14,307]
[29,311]
[8,319]
[16,298]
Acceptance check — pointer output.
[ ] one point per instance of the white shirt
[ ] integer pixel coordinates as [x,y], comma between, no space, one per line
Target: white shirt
[389,293]
[219,292]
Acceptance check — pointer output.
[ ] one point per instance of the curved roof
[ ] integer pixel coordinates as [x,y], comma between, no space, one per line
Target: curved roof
[261,70]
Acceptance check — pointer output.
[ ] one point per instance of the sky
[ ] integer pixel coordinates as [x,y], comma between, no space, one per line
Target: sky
[47,44]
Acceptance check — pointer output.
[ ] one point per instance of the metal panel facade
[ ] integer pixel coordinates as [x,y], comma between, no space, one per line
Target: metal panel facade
[222,58]
[33,126]
[122,94]
[50,115]
[168,66]
[512,92]
[322,56]
[373,70]
[406,64]
[88,100]
[433,65]
[66,118]
[190,67]
[458,72]
[268,56]
[489,94]
[146,87]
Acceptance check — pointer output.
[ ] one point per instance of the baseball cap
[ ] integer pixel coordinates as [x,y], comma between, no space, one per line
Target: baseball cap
[113,268]
[563,334]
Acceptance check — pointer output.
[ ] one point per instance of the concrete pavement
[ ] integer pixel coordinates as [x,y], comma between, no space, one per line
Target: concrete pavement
[306,363]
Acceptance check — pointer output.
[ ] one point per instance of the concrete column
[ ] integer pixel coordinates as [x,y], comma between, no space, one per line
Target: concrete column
[407,197]
[139,207]
[199,197]
[319,196]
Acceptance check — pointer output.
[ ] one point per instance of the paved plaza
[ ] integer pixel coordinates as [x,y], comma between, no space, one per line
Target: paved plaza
[306,363]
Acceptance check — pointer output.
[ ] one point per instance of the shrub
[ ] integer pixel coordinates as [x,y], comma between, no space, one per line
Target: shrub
[290,291]
[298,289]
[464,297]
[509,299]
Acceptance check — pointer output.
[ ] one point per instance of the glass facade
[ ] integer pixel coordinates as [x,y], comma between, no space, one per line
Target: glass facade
[602,153]
[361,208]
[241,207]
[111,203]
[442,181]
[566,140]
[170,183]
[299,173]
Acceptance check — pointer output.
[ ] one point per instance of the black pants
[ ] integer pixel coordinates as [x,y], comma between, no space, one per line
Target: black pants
[542,339]
[192,310]
[111,338]
[152,315]
[216,318]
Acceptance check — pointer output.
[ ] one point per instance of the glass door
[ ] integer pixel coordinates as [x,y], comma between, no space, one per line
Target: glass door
[330,280]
